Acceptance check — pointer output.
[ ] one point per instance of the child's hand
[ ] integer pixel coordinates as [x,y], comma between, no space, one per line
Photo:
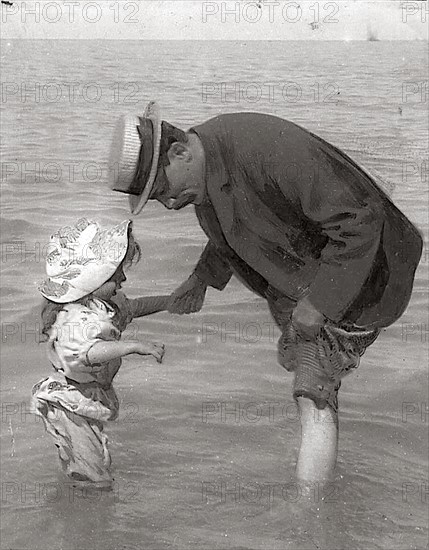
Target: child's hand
[157,349]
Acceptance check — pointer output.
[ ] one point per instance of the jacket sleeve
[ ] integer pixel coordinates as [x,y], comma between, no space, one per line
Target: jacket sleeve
[335,196]
[212,268]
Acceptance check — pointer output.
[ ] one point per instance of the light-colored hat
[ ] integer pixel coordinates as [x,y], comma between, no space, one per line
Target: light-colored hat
[81,258]
[134,155]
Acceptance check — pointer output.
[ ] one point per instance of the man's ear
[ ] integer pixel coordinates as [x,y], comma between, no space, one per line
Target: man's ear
[179,150]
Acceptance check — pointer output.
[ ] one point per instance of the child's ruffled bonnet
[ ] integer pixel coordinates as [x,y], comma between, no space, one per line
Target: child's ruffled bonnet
[81,258]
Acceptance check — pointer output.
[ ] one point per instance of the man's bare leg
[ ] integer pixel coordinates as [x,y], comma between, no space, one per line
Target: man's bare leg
[319,442]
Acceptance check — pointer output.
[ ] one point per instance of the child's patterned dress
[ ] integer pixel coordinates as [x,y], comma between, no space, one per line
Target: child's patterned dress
[76,401]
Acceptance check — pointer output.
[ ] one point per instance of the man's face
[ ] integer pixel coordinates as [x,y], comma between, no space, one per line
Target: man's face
[171,193]
[178,185]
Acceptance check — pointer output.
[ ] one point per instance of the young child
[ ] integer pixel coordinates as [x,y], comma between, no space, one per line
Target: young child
[83,318]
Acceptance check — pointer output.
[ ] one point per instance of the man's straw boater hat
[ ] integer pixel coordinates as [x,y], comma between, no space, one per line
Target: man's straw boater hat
[134,155]
[81,258]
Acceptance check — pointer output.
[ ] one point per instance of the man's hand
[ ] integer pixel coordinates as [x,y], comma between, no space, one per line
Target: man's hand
[306,320]
[189,297]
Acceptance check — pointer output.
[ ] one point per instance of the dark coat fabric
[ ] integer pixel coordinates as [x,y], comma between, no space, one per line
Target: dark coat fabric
[291,214]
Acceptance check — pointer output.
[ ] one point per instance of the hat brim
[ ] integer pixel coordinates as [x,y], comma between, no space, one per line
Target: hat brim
[137,202]
[81,273]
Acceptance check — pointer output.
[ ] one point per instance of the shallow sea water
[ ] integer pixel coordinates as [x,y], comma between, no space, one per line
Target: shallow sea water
[205,446]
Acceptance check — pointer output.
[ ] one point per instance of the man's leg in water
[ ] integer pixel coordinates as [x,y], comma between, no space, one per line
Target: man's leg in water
[319,427]
[319,442]
[319,366]
[316,396]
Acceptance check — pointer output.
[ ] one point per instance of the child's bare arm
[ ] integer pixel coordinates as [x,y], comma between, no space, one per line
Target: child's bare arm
[104,351]
[146,305]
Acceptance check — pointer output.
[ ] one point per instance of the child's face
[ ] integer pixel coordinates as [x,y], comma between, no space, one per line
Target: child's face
[109,288]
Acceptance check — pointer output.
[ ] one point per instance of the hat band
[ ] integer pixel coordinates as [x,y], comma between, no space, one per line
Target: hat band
[144,164]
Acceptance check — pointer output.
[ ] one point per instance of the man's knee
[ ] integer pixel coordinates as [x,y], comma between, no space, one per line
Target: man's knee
[317,399]
[305,403]
[311,412]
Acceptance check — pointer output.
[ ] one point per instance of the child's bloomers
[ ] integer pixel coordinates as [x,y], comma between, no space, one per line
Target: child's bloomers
[84,317]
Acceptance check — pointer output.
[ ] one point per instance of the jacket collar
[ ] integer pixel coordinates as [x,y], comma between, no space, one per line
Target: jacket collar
[216,175]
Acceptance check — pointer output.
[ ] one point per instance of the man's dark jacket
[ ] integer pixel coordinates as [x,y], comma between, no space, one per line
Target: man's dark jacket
[291,214]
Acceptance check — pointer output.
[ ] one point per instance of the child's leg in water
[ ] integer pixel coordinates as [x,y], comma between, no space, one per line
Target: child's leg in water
[81,443]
